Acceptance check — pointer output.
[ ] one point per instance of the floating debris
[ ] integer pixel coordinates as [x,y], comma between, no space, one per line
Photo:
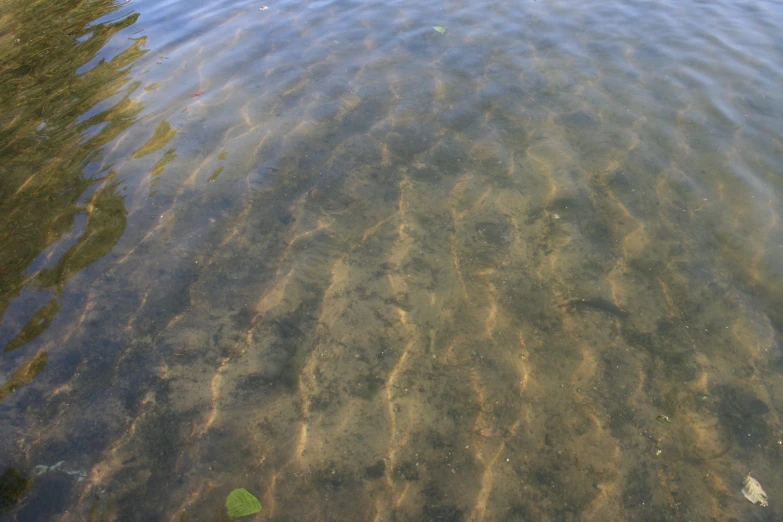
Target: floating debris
[78,474]
[241,503]
[753,491]
[597,304]
[41,469]
[490,433]
[440,29]
[663,418]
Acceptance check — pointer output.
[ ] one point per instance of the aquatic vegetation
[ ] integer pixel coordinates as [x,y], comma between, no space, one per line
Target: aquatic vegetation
[24,374]
[13,487]
[37,324]
[160,138]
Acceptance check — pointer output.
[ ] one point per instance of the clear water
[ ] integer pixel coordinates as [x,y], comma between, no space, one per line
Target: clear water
[529,267]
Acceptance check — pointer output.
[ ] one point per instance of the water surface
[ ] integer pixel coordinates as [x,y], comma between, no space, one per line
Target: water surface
[527,268]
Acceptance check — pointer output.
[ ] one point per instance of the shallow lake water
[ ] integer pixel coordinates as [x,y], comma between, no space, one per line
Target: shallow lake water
[391,261]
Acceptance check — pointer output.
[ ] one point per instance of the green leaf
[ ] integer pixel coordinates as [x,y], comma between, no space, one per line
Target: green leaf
[440,29]
[240,503]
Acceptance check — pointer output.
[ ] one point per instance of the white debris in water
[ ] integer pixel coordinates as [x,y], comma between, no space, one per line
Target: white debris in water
[78,473]
[753,491]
